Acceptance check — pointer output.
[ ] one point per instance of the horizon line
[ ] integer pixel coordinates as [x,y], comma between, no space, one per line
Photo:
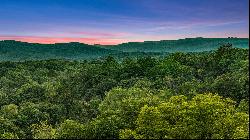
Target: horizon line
[17,40]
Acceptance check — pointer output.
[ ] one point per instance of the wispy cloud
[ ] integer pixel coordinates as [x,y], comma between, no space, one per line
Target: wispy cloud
[113,21]
[109,34]
[191,24]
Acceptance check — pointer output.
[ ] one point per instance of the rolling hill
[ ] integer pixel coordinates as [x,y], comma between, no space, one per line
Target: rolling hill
[182,45]
[15,50]
[11,50]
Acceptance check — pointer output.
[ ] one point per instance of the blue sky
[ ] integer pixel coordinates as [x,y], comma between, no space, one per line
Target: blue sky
[117,21]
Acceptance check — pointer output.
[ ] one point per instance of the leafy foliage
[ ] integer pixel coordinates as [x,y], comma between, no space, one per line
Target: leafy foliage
[183,96]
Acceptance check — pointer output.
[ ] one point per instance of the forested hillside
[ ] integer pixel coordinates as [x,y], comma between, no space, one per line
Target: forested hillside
[202,95]
[181,45]
[19,51]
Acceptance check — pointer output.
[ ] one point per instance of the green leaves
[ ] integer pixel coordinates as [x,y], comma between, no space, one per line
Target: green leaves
[42,131]
[181,96]
[203,117]
[70,129]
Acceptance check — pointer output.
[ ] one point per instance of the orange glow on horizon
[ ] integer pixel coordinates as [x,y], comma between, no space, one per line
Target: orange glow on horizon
[52,40]
[102,41]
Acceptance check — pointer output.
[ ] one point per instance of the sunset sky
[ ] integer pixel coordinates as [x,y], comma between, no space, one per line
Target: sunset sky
[118,21]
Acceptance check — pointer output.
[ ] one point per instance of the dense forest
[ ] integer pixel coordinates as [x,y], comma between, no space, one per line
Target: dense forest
[184,95]
[11,50]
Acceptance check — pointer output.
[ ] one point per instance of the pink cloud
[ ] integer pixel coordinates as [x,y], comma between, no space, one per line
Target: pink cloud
[99,34]
[51,40]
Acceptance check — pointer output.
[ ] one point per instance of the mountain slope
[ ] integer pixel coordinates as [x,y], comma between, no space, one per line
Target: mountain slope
[15,50]
[183,45]
[11,50]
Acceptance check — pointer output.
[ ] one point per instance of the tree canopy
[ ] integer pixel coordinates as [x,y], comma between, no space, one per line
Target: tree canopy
[201,95]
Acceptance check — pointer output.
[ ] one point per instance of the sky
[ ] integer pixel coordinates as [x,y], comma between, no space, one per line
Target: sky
[117,21]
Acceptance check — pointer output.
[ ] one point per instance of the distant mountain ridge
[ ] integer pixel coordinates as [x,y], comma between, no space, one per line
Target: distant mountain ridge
[11,50]
[16,50]
[183,45]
